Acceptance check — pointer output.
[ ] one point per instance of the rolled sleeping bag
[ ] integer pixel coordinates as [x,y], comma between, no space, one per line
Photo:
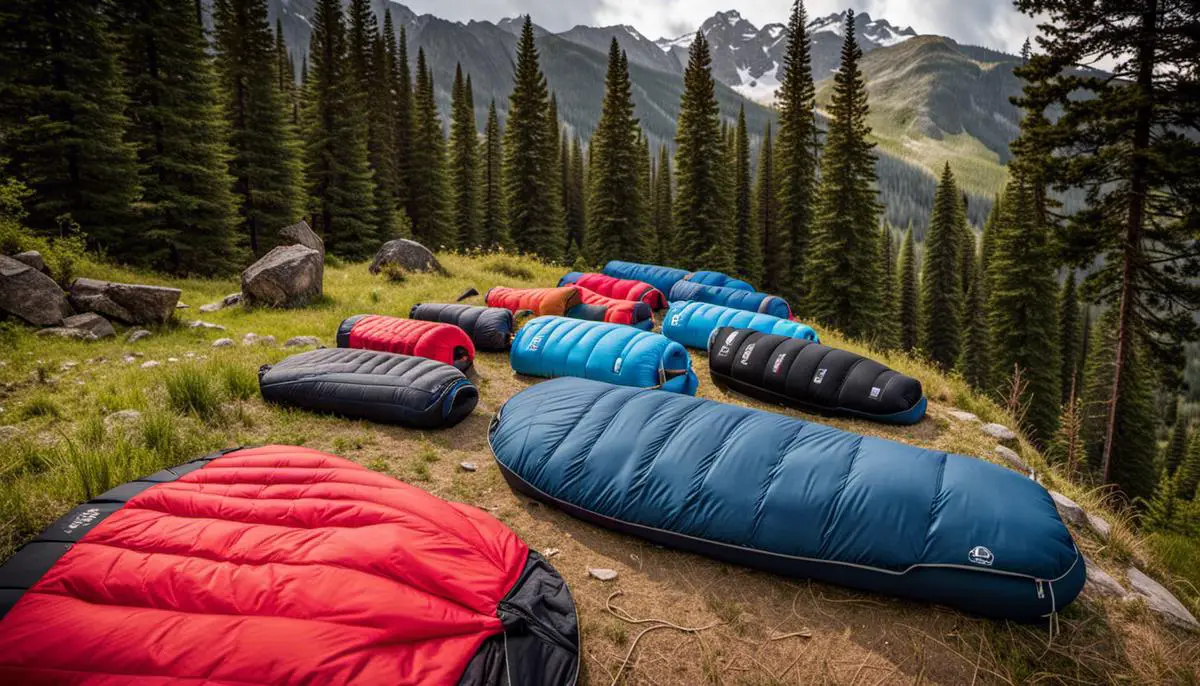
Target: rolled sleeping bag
[719,279]
[377,386]
[791,497]
[813,377]
[693,323]
[540,301]
[599,308]
[662,278]
[750,301]
[442,342]
[621,289]
[490,328]
[557,346]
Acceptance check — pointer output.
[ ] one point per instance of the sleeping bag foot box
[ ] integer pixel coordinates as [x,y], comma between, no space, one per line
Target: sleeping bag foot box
[364,384]
[434,340]
[490,328]
[792,497]
[282,565]
[813,377]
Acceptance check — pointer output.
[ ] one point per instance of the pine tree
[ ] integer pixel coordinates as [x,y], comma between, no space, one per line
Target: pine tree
[1163,509]
[1189,470]
[533,220]
[888,337]
[987,242]
[402,86]
[797,153]
[967,246]
[336,166]
[1136,446]
[842,264]
[1069,334]
[564,189]
[577,197]
[645,193]
[464,172]
[381,128]
[775,244]
[702,228]
[615,195]
[1068,448]
[748,242]
[1024,321]
[187,207]
[910,294]
[976,364]
[493,226]
[664,207]
[256,90]
[427,184]
[1177,447]
[941,302]
[551,161]
[62,114]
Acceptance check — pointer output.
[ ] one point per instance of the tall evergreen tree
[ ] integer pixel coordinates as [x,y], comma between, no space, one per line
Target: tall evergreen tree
[941,294]
[976,363]
[887,336]
[664,207]
[797,152]
[1188,471]
[910,294]
[187,206]
[1122,138]
[646,192]
[62,114]
[381,120]
[1024,321]
[564,189]
[1177,447]
[338,175]
[493,226]
[533,219]
[615,196]
[748,239]
[967,247]
[703,228]
[577,197]
[775,246]
[427,189]
[257,90]
[285,72]
[842,264]
[403,86]
[551,160]
[464,172]
[1069,336]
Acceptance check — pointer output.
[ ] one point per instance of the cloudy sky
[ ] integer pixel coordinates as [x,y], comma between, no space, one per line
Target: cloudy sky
[992,23]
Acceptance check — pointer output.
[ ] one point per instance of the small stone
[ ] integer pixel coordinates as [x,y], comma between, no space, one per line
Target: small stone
[1100,583]
[255,339]
[9,433]
[69,365]
[182,306]
[128,359]
[301,341]
[1099,526]
[1160,600]
[189,354]
[964,416]
[64,332]
[468,466]
[139,354]
[122,418]
[602,574]
[92,323]
[172,359]
[1068,509]
[227,301]
[999,432]
[211,307]
[137,335]
[150,364]
[222,343]
[200,324]
[1012,458]
[550,552]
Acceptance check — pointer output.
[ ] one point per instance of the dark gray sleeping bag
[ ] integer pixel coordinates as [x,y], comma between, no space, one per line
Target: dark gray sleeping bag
[490,328]
[376,386]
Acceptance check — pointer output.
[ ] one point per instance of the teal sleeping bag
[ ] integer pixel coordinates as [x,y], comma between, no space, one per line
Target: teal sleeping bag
[751,301]
[693,323]
[614,353]
[792,497]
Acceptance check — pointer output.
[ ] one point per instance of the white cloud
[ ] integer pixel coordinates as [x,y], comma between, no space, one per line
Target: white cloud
[992,23]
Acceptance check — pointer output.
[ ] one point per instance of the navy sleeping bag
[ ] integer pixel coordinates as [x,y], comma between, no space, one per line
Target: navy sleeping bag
[719,279]
[663,278]
[751,301]
[490,328]
[792,497]
[813,377]
[614,353]
[693,323]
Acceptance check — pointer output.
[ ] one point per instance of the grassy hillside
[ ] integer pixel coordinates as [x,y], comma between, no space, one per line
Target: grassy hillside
[771,630]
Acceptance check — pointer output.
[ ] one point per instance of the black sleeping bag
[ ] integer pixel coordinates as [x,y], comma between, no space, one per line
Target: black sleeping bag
[812,377]
[376,386]
[490,328]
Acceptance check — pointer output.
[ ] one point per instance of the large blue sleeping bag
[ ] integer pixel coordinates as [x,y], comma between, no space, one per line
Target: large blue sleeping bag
[791,497]
[663,278]
[751,301]
[614,353]
[693,323]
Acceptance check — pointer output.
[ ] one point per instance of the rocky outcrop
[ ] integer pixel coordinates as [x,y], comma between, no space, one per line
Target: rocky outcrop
[34,259]
[303,234]
[1100,583]
[92,323]
[125,302]
[29,294]
[1160,600]
[407,255]
[288,276]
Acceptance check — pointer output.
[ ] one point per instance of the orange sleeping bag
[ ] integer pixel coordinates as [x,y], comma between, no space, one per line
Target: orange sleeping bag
[541,301]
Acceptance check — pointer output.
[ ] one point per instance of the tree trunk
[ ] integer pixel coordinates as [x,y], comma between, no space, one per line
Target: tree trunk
[1147,43]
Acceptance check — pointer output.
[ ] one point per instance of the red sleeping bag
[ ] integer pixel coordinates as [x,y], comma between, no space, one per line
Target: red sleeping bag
[282,565]
[433,340]
[603,308]
[621,289]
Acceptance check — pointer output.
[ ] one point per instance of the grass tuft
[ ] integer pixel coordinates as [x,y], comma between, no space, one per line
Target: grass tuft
[40,404]
[238,381]
[191,391]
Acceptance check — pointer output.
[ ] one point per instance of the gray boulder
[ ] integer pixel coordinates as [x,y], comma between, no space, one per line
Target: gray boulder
[1099,525]
[303,234]
[999,432]
[92,323]
[964,416]
[1160,600]
[408,255]
[65,332]
[137,335]
[31,295]
[34,259]
[288,276]
[1013,459]
[1100,583]
[1069,510]
[126,302]
[222,343]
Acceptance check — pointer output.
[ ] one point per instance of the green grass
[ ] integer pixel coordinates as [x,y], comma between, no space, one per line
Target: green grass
[192,391]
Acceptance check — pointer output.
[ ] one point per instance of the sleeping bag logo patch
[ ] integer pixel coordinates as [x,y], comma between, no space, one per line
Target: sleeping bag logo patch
[746,354]
[83,519]
[536,342]
[819,376]
[875,392]
[981,556]
[617,365]
[778,363]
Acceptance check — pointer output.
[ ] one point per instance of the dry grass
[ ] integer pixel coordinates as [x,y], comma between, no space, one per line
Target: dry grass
[770,629]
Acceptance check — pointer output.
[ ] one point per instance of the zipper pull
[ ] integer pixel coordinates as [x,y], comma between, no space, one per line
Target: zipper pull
[1041,593]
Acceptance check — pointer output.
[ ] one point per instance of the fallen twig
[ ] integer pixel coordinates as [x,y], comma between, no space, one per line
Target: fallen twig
[624,616]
